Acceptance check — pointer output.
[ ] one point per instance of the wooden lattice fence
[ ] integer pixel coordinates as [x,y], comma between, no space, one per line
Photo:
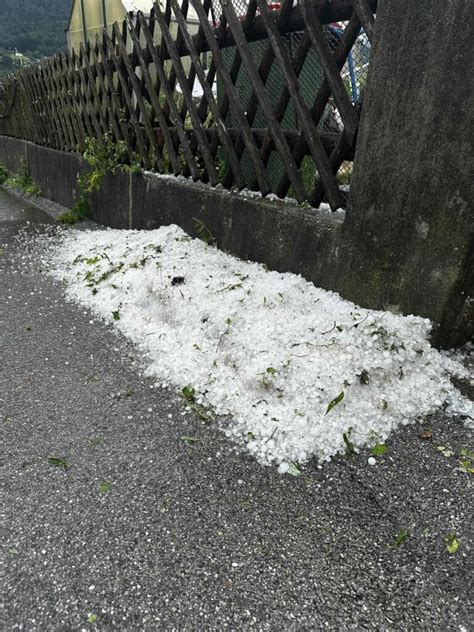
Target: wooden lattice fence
[174,99]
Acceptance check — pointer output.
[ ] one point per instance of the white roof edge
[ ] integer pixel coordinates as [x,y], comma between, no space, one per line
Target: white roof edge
[132,6]
[145,6]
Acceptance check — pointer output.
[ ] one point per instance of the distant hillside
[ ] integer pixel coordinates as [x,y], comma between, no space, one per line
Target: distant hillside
[34,27]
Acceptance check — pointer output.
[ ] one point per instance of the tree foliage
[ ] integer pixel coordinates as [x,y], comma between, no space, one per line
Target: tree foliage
[35,28]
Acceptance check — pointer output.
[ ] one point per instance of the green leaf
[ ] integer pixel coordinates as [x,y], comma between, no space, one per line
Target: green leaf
[92,260]
[188,393]
[337,400]
[447,452]
[203,232]
[2,252]
[272,371]
[452,543]
[401,537]
[116,315]
[203,413]
[189,439]
[92,618]
[466,469]
[95,441]
[105,487]
[294,470]
[348,443]
[466,458]
[379,450]
[58,462]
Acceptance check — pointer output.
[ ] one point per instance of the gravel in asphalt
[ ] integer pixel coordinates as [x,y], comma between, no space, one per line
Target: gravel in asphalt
[134,528]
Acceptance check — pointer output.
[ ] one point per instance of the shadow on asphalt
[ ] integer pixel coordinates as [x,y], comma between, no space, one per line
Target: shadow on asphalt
[18,212]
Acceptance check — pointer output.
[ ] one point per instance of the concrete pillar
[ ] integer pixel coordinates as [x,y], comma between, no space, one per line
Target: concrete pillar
[408,235]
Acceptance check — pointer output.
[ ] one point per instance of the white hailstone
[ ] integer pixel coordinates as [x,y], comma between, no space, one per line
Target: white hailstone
[371,460]
[311,368]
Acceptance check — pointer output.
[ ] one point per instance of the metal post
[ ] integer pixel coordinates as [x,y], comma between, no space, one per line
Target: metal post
[352,74]
[104,14]
[84,27]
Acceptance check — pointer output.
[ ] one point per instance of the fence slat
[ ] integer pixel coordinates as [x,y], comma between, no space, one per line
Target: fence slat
[328,64]
[61,106]
[197,43]
[284,99]
[86,93]
[45,85]
[173,157]
[111,96]
[140,102]
[80,95]
[365,15]
[187,94]
[233,98]
[36,113]
[105,103]
[164,53]
[95,103]
[264,100]
[65,63]
[165,87]
[264,69]
[217,119]
[123,79]
[340,152]
[42,104]
[322,97]
[57,78]
[306,121]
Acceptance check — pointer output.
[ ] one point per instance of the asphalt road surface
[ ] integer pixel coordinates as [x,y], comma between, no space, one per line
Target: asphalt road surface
[112,522]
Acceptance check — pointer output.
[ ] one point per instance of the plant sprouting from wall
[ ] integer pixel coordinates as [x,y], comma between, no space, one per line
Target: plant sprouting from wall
[104,156]
[4,175]
[22,181]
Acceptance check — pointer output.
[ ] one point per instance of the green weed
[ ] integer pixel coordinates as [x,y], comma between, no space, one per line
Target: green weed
[4,175]
[104,156]
[22,181]
[349,445]
[58,462]
[452,543]
[203,232]
[401,537]
[337,400]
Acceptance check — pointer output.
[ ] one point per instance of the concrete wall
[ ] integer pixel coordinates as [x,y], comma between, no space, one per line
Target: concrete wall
[55,171]
[284,237]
